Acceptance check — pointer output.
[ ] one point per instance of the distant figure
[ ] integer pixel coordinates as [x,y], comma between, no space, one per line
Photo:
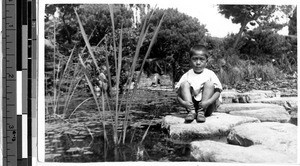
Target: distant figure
[156,80]
[199,89]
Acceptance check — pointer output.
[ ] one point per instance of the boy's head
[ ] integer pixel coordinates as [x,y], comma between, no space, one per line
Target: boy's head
[198,57]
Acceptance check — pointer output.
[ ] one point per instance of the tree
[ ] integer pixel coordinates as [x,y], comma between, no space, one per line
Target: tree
[96,20]
[293,23]
[176,36]
[244,14]
[65,13]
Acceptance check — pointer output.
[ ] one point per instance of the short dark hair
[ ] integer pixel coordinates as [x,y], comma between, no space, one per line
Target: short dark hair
[198,47]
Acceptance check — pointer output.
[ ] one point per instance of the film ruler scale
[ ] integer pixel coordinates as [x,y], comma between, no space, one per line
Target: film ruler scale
[18,48]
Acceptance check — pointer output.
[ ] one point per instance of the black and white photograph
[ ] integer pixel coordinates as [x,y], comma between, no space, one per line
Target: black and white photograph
[168,82]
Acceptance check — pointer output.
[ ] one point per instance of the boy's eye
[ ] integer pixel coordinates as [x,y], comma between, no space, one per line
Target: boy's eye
[200,59]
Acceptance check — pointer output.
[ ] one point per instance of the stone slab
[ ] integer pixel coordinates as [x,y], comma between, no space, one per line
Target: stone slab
[219,124]
[226,108]
[228,95]
[283,101]
[212,151]
[265,114]
[276,136]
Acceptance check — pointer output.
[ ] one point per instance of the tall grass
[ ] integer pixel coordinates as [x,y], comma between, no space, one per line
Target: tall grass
[117,54]
[237,70]
[60,79]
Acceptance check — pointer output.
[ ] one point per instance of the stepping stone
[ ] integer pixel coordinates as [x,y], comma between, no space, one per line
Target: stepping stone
[212,151]
[265,114]
[228,95]
[219,124]
[226,108]
[276,136]
[283,101]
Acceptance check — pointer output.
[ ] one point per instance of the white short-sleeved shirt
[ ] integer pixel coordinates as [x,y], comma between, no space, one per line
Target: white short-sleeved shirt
[197,81]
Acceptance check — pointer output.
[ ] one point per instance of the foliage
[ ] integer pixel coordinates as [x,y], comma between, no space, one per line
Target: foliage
[266,46]
[96,20]
[96,16]
[236,70]
[243,14]
[178,33]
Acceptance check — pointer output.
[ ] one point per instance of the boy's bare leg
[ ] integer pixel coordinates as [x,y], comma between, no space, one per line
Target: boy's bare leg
[185,94]
[207,93]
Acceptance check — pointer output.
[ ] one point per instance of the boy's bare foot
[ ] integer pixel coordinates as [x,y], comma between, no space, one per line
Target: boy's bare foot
[200,116]
[190,117]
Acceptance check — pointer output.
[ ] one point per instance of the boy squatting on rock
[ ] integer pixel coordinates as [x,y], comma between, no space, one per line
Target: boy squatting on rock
[199,89]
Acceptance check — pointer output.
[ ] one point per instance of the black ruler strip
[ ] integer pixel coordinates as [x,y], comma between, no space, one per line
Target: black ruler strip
[19,140]
[24,13]
[31,54]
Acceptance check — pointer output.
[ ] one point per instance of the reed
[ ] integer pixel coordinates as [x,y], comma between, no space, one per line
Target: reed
[60,79]
[118,57]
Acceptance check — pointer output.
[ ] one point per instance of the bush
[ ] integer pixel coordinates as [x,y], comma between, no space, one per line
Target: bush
[234,70]
[264,46]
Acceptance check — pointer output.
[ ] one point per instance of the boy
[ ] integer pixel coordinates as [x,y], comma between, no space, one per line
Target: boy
[199,89]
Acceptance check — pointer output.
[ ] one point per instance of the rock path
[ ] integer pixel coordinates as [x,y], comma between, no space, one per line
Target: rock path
[258,129]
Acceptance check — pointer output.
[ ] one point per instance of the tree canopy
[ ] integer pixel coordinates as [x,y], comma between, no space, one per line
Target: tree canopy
[243,14]
[178,33]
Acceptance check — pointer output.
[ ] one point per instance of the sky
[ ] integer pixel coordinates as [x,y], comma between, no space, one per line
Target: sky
[206,11]
[207,14]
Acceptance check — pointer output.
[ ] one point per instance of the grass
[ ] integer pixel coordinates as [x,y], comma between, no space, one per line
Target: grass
[237,70]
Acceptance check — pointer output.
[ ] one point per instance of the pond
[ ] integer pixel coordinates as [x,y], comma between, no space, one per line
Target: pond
[81,138]
[157,146]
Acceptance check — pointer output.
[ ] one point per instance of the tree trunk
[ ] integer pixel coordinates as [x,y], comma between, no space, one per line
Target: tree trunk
[239,35]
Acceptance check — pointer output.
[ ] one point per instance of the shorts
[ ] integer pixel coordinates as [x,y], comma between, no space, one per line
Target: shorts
[210,109]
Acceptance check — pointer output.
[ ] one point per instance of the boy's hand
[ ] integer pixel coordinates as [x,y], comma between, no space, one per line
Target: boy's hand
[204,104]
[188,104]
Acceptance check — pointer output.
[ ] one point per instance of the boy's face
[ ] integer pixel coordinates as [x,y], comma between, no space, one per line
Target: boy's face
[199,61]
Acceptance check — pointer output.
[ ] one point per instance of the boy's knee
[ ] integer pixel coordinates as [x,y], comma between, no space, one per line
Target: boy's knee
[185,84]
[209,84]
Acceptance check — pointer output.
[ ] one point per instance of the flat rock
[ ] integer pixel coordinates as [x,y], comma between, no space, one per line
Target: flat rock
[266,114]
[228,95]
[283,101]
[219,124]
[212,151]
[226,108]
[276,136]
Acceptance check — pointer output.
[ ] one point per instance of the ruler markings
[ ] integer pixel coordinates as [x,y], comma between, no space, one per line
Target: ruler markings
[9,94]
[19,141]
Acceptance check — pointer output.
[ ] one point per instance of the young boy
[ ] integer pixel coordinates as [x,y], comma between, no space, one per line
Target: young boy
[199,89]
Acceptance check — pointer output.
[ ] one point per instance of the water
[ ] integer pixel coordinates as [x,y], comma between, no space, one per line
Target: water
[156,147]
[82,139]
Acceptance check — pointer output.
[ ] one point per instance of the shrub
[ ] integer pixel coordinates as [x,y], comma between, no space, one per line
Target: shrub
[235,70]
[264,46]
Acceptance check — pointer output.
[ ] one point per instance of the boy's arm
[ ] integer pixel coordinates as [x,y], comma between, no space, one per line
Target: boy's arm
[179,99]
[186,104]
